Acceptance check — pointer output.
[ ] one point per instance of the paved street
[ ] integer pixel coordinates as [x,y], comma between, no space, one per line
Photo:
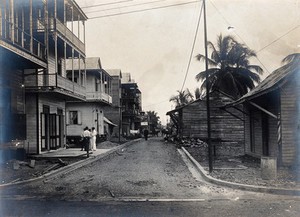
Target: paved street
[147,177]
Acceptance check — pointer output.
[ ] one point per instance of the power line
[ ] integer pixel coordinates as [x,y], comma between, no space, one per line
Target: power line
[127,6]
[192,50]
[156,103]
[291,30]
[142,10]
[237,33]
[111,3]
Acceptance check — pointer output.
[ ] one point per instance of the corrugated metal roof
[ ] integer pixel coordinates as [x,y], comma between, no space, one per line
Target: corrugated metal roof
[270,83]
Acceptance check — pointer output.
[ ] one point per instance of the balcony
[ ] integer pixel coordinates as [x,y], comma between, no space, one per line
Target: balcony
[130,113]
[98,96]
[20,42]
[54,83]
[67,34]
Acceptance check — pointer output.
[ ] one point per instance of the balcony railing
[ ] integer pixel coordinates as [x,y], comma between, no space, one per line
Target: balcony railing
[69,35]
[99,96]
[46,81]
[130,112]
[17,37]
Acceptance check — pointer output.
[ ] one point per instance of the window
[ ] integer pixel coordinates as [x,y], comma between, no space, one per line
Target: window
[96,84]
[74,117]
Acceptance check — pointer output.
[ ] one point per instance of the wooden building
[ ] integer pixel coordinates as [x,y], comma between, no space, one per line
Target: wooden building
[90,112]
[113,113]
[227,127]
[272,117]
[39,36]
[131,105]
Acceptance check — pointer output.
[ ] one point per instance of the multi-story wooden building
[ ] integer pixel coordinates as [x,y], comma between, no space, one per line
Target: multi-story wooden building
[113,113]
[37,36]
[90,112]
[131,105]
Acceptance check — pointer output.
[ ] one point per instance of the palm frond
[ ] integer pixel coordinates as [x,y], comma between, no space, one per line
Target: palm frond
[291,57]
[202,75]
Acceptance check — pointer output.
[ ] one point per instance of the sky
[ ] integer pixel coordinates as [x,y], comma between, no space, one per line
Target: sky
[155,44]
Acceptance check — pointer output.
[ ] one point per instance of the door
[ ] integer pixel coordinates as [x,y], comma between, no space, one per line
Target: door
[45,139]
[53,131]
[60,128]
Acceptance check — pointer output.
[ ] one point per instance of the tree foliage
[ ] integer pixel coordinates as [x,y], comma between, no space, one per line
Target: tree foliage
[184,97]
[230,69]
[153,119]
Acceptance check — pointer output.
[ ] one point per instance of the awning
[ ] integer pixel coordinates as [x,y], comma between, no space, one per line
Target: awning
[109,122]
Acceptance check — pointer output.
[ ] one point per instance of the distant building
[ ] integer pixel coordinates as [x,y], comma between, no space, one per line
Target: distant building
[131,105]
[113,113]
[191,120]
[90,112]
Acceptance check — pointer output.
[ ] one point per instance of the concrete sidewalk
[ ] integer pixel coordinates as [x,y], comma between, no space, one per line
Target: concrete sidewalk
[94,156]
[70,152]
[205,174]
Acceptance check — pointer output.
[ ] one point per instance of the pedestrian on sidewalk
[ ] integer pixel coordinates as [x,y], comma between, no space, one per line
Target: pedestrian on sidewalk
[93,139]
[146,132]
[86,135]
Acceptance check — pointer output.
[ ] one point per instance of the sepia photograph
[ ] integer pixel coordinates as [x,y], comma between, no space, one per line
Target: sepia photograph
[149,108]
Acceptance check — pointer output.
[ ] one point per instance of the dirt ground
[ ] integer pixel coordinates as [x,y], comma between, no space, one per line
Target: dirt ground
[15,170]
[243,169]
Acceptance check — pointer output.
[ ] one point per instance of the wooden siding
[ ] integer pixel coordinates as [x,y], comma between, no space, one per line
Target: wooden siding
[51,63]
[116,91]
[224,126]
[290,120]
[257,138]
[31,120]
[288,106]
[43,99]
[12,105]
[88,116]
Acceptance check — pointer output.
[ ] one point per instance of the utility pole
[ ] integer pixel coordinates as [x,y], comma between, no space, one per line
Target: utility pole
[210,161]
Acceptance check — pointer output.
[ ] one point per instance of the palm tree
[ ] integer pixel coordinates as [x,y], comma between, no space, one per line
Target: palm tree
[153,119]
[291,63]
[184,97]
[230,69]
[197,93]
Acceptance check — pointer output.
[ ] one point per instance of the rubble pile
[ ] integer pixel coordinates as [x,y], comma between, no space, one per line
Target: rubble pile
[193,143]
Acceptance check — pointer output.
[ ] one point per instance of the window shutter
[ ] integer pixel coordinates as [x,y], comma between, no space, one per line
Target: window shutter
[67,118]
[79,117]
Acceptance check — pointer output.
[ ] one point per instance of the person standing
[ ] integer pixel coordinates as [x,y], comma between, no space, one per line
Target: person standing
[146,132]
[93,139]
[86,140]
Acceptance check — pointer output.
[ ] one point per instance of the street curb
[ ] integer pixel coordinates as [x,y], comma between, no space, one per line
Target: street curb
[73,166]
[255,188]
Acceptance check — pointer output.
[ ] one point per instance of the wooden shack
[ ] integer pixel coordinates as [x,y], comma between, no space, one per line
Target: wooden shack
[227,127]
[272,117]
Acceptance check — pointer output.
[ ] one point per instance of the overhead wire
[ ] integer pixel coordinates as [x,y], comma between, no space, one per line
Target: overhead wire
[126,6]
[156,103]
[142,10]
[192,50]
[277,39]
[237,33]
[104,4]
